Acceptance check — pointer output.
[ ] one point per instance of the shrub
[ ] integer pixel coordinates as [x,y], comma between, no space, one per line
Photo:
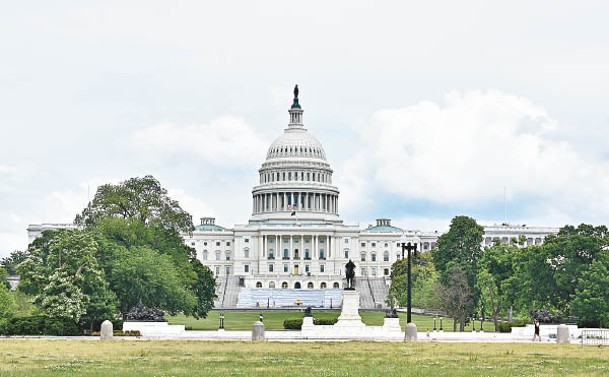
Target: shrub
[39,325]
[324,321]
[292,324]
[507,326]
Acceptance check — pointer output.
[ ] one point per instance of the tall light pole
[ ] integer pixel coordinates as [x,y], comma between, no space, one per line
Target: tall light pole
[411,328]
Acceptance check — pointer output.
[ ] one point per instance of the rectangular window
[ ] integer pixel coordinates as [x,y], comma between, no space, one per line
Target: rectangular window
[307,268]
[246,268]
[227,243]
[246,253]
[271,268]
[322,254]
[247,240]
[362,257]
[217,256]
[363,244]
[322,241]
[285,240]
[386,272]
[306,240]
[286,254]
[192,244]
[217,271]
[346,254]
[373,257]
[373,244]
[322,268]
[285,268]
[363,271]
[271,240]
[346,240]
[217,243]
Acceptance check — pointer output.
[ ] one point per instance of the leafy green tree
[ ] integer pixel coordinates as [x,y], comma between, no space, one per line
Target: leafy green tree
[117,238]
[144,274]
[457,253]
[141,199]
[62,273]
[11,262]
[591,299]
[495,269]
[424,280]
[7,303]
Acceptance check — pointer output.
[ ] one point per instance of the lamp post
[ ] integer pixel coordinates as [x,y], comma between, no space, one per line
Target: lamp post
[411,328]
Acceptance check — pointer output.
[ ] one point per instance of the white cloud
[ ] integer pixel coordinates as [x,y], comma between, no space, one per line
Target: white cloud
[224,142]
[191,204]
[466,150]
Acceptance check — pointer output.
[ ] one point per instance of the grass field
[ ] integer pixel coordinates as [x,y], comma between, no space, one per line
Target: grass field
[273,320]
[201,358]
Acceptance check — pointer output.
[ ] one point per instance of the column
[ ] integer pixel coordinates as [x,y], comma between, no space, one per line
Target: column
[291,251]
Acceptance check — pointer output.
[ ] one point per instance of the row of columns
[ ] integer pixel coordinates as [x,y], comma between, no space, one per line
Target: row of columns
[295,176]
[281,201]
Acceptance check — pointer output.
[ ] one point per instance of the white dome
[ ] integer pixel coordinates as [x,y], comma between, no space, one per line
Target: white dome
[296,142]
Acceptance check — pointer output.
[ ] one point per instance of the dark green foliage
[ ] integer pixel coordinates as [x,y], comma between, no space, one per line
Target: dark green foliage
[293,324]
[325,321]
[39,325]
[10,263]
[141,199]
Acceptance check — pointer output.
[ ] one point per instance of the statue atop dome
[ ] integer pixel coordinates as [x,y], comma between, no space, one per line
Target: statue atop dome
[295,104]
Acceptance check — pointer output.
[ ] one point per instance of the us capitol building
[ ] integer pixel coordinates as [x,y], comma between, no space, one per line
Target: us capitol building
[294,247]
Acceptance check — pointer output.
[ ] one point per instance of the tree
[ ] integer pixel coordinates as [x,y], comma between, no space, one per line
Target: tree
[118,238]
[142,199]
[424,280]
[7,303]
[144,274]
[456,296]
[591,299]
[11,262]
[62,273]
[458,252]
[495,268]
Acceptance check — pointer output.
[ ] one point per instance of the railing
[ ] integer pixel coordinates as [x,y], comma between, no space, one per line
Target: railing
[596,337]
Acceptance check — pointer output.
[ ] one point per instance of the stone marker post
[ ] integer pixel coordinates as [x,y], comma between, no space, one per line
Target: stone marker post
[411,332]
[107,330]
[562,334]
[258,331]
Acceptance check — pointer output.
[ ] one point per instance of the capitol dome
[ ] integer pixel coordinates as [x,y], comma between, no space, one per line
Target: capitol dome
[295,179]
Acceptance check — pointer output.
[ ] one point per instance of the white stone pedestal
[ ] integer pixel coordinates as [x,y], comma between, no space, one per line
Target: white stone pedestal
[349,316]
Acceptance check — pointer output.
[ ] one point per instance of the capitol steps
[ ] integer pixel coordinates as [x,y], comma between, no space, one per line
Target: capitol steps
[228,292]
[373,292]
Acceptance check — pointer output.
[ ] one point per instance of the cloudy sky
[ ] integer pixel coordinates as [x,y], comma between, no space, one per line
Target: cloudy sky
[426,110]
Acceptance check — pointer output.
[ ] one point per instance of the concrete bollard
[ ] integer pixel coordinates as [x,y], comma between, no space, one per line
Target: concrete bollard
[107,330]
[562,334]
[258,331]
[411,332]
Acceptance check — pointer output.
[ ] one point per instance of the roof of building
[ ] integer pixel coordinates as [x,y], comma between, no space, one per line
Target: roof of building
[384,229]
[212,227]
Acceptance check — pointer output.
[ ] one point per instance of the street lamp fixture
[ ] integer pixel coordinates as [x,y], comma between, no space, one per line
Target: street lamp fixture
[411,248]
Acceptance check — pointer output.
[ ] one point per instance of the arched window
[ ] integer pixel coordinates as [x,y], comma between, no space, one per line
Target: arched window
[272,285]
[336,285]
[322,285]
[205,255]
[297,285]
[246,253]
[271,254]
[310,285]
[259,284]
[373,257]
[284,285]
[386,256]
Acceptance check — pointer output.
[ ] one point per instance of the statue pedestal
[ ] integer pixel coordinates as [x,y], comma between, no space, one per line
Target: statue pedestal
[349,315]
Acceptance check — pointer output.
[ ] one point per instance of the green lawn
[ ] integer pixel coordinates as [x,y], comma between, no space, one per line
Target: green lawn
[273,320]
[204,358]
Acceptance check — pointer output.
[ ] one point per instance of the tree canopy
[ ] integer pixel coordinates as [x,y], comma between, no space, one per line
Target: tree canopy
[142,199]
